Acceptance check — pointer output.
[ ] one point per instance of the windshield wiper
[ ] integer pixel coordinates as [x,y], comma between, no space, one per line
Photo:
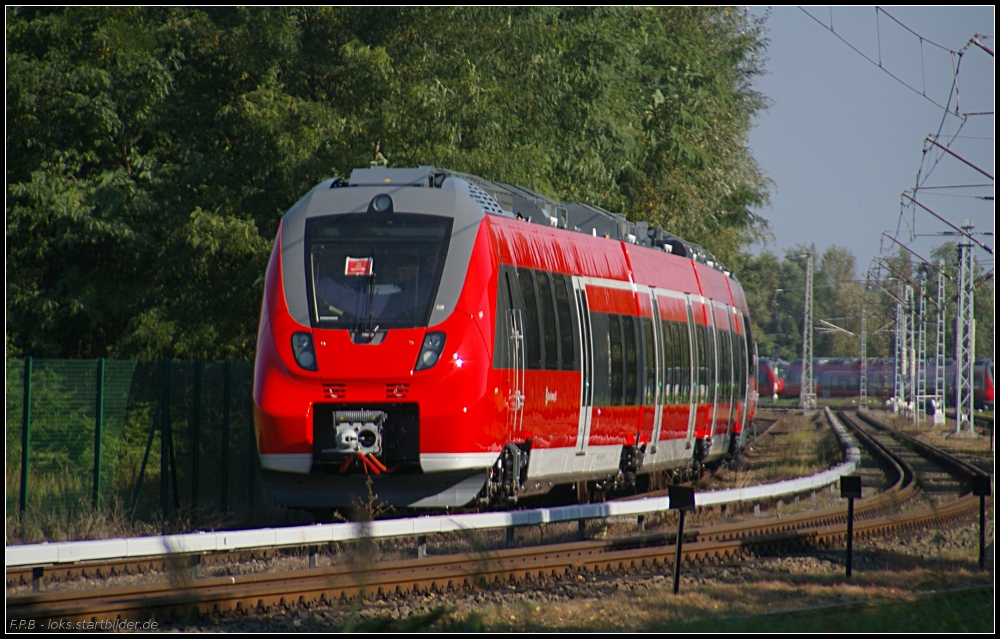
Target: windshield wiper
[370,328]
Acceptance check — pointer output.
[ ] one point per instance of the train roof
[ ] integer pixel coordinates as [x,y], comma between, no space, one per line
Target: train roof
[512,201]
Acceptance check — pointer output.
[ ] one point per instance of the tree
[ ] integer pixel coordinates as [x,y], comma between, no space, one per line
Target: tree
[152,150]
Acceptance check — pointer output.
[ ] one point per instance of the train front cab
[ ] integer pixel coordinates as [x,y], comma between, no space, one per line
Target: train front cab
[983,381]
[349,388]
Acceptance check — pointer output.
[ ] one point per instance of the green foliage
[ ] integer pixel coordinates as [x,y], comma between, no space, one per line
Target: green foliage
[642,110]
[213,473]
[152,150]
[776,291]
[776,296]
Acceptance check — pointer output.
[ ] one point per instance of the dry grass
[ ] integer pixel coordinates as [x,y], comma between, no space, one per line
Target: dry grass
[75,521]
[651,604]
[795,446]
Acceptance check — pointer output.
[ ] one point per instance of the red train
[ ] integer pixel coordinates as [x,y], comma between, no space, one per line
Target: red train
[771,376]
[841,377]
[445,340]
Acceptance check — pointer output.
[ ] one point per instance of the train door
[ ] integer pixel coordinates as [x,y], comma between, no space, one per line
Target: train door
[510,347]
[586,345]
[725,332]
[712,356]
[706,395]
[657,334]
[695,387]
[647,367]
[742,363]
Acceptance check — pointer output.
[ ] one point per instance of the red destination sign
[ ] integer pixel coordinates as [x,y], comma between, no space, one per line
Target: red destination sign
[358,266]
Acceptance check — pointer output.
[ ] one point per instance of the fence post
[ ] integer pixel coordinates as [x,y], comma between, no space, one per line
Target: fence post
[145,457]
[165,439]
[98,430]
[196,436]
[25,433]
[226,389]
[251,472]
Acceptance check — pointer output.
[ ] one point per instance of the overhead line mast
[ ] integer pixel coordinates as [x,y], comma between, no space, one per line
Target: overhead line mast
[965,328]
[807,394]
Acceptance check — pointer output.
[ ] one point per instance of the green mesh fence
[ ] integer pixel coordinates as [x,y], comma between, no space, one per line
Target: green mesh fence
[176,439]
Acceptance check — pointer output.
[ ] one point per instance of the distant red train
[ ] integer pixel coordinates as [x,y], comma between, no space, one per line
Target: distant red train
[455,341]
[771,376]
[841,377]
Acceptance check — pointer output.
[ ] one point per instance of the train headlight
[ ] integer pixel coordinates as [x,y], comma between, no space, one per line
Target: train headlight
[430,351]
[302,347]
[381,203]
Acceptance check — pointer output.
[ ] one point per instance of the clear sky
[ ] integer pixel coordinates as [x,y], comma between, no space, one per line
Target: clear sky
[843,139]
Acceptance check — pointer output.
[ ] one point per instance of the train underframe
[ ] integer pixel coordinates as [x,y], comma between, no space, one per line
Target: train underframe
[372,459]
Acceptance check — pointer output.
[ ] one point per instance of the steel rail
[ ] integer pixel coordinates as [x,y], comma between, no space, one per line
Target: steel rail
[260,593]
[186,596]
[28,574]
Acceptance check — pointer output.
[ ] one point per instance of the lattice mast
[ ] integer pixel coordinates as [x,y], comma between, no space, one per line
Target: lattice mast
[807,394]
[909,363]
[964,334]
[921,394]
[863,390]
[899,350]
[939,362]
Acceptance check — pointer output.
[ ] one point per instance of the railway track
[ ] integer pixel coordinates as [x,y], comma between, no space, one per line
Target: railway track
[186,597]
[941,476]
[38,576]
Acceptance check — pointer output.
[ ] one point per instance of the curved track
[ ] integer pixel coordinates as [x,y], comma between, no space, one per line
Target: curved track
[185,596]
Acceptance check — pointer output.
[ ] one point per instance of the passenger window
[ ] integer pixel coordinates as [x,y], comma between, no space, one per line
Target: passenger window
[737,365]
[631,360]
[650,352]
[602,359]
[532,329]
[679,362]
[720,346]
[728,379]
[567,325]
[547,312]
[617,360]
[682,362]
[703,363]
[502,338]
[666,362]
[739,358]
[685,361]
[712,372]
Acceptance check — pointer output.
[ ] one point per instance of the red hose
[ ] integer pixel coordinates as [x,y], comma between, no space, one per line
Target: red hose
[369,464]
[373,459]
[347,462]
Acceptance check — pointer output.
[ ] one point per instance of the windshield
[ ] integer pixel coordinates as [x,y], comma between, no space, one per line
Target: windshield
[369,271]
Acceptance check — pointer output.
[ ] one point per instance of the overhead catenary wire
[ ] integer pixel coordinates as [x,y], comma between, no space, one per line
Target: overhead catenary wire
[951,106]
[922,38]
[961,231]
[942,143]
[878,63]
